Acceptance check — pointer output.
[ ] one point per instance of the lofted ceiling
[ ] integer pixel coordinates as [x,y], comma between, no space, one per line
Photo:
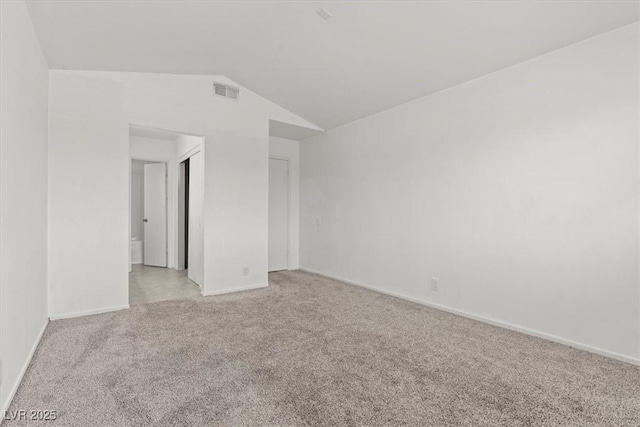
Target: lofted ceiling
[370,56]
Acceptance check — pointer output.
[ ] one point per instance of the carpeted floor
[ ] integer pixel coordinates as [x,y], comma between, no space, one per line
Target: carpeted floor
[313,351]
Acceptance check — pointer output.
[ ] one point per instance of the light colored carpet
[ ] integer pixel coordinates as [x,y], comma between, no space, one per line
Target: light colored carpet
[313,351]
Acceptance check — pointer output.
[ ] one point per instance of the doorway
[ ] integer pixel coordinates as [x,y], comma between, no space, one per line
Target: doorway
[278,214]
[190,206]
[167,194]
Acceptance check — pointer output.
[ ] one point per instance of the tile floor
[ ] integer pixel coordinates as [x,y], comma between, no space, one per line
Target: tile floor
[153,284]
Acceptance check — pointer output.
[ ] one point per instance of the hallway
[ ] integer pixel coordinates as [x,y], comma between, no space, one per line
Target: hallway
[153,284]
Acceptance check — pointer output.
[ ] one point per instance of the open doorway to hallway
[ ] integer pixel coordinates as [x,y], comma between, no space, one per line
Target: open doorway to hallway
[167,192]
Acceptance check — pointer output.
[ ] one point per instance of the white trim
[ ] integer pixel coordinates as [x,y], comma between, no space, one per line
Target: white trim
[89,312]
[230,290]
[189,153]
[151,126]
[532,332]
[14,389]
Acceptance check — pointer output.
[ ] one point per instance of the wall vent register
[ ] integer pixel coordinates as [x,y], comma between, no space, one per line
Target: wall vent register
[226,91]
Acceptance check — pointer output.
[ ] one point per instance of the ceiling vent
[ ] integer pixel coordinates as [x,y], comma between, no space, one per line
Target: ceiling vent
[226,91]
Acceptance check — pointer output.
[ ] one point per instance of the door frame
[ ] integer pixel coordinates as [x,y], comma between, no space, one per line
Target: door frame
[173,168]
[195,150]
[182,256]
[289,213]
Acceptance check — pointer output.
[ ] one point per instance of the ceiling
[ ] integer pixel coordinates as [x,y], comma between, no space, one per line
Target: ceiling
[368,57]
[289,131]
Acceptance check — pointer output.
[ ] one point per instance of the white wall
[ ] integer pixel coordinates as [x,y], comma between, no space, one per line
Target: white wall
[186,144]
[137,199]
[236,170]
[518,190]
[88,196]
[152,149]
[289,149]
[23,194]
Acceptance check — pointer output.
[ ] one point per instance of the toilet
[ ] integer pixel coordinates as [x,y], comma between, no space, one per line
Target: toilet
[136,251]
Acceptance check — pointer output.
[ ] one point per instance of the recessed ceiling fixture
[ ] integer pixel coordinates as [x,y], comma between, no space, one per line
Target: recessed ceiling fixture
[324,13]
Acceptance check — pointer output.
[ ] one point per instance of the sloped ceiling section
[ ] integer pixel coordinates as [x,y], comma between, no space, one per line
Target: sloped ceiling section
[290,131]
[368,57]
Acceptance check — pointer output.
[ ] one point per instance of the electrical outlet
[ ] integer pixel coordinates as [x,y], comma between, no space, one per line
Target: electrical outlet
[435,284]
[245,271]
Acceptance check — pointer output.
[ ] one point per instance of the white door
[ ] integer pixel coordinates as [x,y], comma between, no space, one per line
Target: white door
[155,214]
[195,269]
[278,214]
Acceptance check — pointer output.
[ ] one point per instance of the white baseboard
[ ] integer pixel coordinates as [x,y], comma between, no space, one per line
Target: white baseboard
[88,312]
[14,388]
[230,290]
[543,335]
